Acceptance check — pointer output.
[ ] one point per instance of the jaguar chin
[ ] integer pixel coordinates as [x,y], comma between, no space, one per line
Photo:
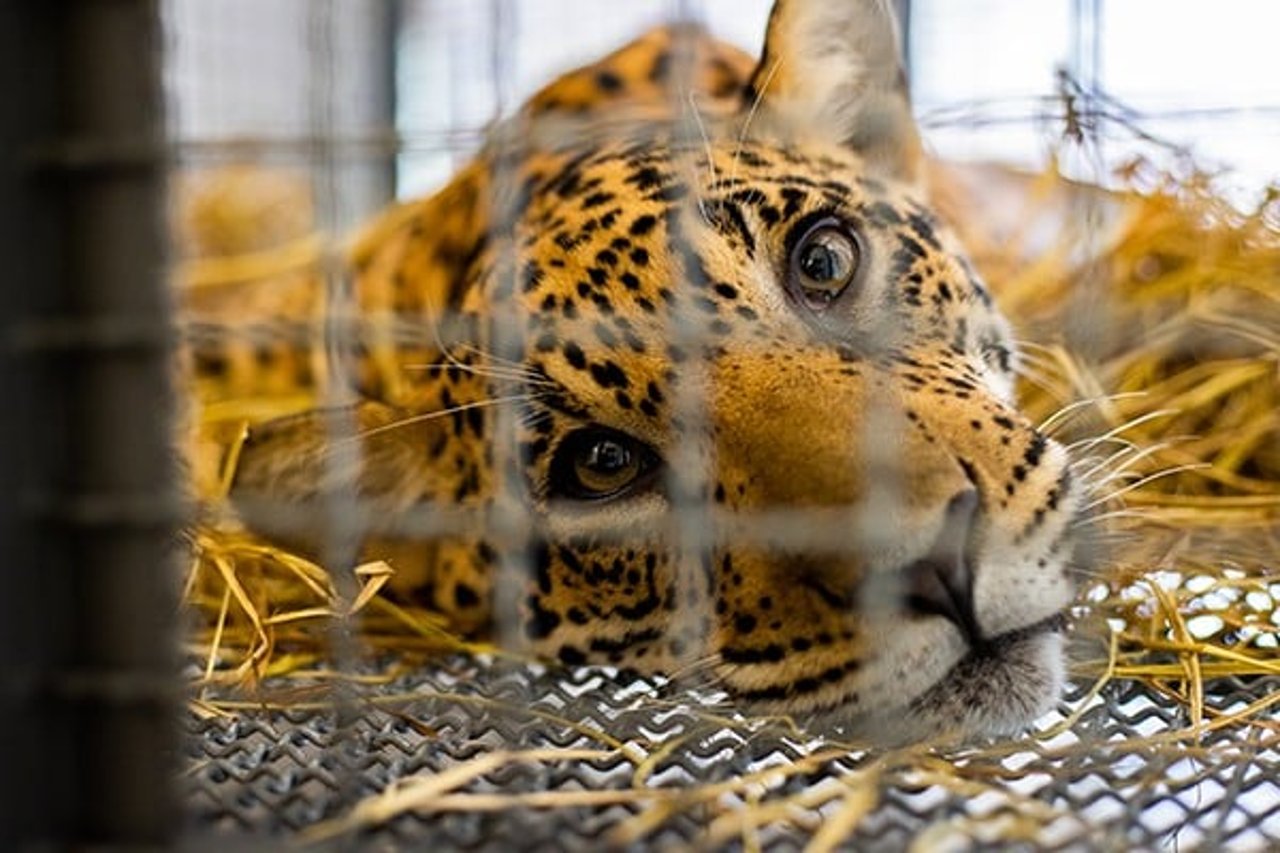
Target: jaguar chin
[995,689]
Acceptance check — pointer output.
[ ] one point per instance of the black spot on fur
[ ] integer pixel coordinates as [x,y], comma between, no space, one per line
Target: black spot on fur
[608,81]
[924,230]
[541,622]
[882,214]
[597,199]
[729,215]
[643,225]
[575,356]
[569,656]
[607,374]
[1035,451]
[661,67]
[465,597]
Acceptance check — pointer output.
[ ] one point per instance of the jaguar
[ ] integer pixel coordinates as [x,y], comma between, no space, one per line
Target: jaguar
[691,378]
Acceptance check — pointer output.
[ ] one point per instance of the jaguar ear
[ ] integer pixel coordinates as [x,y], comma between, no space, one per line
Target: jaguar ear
[833,69]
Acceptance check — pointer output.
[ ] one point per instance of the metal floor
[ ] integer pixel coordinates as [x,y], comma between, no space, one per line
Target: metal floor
[1107,781]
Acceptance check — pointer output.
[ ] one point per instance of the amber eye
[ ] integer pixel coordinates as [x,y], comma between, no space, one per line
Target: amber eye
[599,463]
[824,263]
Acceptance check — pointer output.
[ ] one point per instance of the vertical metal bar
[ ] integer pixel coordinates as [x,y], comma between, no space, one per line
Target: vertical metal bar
[1086,44]
[689,523]
[344,38]
[903,10]
[387,38]
[510,521]
[1090,300]
[339,548]
[88,506]
[30,788]
[363,53]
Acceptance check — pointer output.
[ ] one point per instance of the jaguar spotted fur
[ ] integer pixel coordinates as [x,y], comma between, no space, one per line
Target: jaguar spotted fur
[682,280]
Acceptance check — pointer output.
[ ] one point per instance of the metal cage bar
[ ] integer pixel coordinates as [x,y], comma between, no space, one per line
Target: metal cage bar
[88,508]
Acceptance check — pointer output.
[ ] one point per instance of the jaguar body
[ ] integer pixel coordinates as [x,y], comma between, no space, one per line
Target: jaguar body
[689,325]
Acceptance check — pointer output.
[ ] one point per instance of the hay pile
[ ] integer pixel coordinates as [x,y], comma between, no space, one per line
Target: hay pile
[1152,342]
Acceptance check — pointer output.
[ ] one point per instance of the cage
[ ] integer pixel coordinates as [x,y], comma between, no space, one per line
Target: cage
[185,667]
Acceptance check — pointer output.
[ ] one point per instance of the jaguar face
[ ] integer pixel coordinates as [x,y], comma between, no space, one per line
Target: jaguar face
[793,384]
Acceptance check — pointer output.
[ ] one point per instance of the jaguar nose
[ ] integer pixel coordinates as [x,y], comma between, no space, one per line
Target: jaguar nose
[941,583]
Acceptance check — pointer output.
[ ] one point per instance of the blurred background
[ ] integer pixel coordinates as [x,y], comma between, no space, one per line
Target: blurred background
[984,73]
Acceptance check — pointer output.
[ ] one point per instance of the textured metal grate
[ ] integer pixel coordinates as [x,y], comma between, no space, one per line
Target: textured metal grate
[1093,785]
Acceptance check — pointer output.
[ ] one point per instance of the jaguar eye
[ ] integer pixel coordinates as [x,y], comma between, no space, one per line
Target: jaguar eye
[824,263]
[599,463]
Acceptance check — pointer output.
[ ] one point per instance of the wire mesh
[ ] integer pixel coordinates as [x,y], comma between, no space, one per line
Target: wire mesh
[665,772]
[484,754]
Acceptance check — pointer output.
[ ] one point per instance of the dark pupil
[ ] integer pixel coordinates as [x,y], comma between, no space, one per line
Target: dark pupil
[608,457]
[819,263]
